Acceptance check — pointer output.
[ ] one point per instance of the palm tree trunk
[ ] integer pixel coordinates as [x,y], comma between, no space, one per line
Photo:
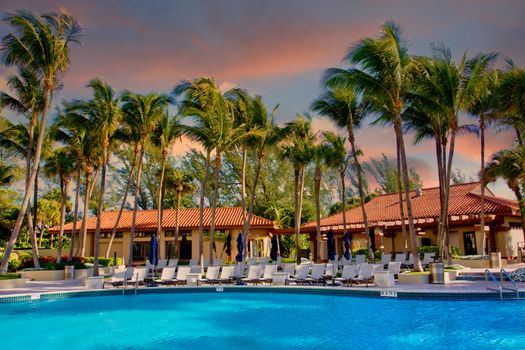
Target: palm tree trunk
[439,157]
[243,184]
[32,178]
[35,199]
[100,210]
[177,218]
[161,193]
[135,206]
[63,188]
[201,206]
[359,170]
[482,179]
[124,199]
[297,220]
[317,189]
[30,226]
[404,170]
[214,202]
[83,227]
[343,196]
[447,189]
[300,206]
[401,201]
[247,223]
[75,216]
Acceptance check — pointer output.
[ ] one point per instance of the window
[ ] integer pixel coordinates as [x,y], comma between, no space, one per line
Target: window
[140,250]
[515,226]
[181,232]
[185,250]
[426,242]
[107,235]
[143,234]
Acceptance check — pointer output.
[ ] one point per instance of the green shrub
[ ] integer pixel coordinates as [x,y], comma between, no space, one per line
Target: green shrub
[377,255]
[9,276]
[105,262]
[288,260]
[359,251]
[428,249]
[455,251]
[14,262]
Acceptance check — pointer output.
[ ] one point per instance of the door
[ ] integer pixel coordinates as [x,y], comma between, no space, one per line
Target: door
[469,242]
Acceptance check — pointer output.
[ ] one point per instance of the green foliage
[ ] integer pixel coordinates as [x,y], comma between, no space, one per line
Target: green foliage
[105,262]
[428,249]
[9,276]
[384,171]
[359,251]
[14,262]
[455,251]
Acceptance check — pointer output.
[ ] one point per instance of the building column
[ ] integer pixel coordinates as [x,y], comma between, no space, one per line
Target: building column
[381,236]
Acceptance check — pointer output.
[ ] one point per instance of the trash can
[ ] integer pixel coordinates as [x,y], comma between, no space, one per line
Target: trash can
[495,260]
[69,272]
[437,273]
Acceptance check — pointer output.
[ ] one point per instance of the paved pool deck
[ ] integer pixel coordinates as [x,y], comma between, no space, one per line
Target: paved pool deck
[456,286]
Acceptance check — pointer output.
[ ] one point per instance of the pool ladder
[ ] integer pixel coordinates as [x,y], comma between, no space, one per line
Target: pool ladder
[490,277]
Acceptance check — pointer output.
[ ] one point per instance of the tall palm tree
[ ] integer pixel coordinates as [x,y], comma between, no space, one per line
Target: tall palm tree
[509,164]
[183,184]
[40,43]
[481,105]
[268,135]
[7,174]
[344,109]
[141,112]
[27,100]
[510,101]
[61,164]
[104,112]
[167,131]
[299,151]
[383,75]
[320,155]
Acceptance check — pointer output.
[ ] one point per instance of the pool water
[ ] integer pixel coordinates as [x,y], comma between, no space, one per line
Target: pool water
[251,320]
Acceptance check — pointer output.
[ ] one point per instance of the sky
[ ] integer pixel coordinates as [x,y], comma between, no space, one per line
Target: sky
[277,49]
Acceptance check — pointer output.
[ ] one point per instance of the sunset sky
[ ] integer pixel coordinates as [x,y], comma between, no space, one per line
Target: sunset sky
[277,49]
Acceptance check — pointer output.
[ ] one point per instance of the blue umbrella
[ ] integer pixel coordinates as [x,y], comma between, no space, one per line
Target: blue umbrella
[240,247]
[273,251]
[347,246]
[331,245]
[153,251]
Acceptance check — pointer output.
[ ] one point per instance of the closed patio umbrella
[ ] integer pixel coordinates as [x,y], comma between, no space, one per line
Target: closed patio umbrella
[153,251]
[273,250]
[228,245]
[331,245]
[347,246]
[240,247]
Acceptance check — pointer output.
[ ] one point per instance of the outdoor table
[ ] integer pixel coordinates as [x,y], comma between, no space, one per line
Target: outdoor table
[384,279]
[192,279]
[279,278]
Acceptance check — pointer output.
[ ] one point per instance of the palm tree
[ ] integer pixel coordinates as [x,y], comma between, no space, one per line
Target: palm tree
[40,43]
[183,184]
[481,105]
[510,101]
[299,151]
[141,112]
[509,164]
[104,112]
[383,75]
[167,131]
[320,153]
[268,135]
[7,174]
[344,109]
[61,164]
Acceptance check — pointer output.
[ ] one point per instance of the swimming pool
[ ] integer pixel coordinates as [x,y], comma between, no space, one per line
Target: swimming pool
[258,320]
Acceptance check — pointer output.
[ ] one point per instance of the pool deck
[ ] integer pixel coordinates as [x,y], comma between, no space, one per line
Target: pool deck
[474,287]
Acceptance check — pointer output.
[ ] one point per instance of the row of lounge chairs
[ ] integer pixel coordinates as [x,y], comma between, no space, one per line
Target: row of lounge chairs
[386,258]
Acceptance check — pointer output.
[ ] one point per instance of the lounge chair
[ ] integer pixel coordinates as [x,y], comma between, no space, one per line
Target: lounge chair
[394,267]
[181,277]
[349,272]
[196,269]
[130,271]
[364,275]
[289,269]
[138,276]
[217,262]
[301,272]
[227,274]
[162,264]
[344,261]
[427,259]
[385,259]
[360,259]
[251,261]
[173,263]
[317,275]
[166,276]
[400,258]
[194,261]
[212,275]
[118,279]
[253,274]
[267,276]
[410,261]
[330,272]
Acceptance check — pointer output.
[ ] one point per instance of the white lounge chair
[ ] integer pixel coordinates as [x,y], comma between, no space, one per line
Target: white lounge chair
[173,263]
[317,275]
[195,269]
[349,272]
[118,279]
[410,261]
[212,275]
[385,259]
[251,261]
[344,261]
[400,258]
[301,272]
[330,271]
[217,262]
[227,274]
[394,267]
[138,276]
[364,275]
[182,275]
[253,274]
[360,259]
[162,264]
[428,258]
[267,276]
[166,276]
[289,269]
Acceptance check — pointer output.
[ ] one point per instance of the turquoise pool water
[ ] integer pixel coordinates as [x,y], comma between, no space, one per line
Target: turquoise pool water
[252,320]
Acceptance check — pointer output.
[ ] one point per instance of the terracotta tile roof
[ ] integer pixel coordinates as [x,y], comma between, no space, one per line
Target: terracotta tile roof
[189,218]
[464,200]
